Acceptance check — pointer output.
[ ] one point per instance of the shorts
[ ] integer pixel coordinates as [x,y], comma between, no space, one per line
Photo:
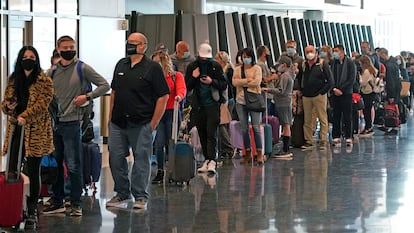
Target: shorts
[285,115]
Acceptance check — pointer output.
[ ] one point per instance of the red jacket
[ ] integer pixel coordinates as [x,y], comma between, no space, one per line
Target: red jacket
[178,89]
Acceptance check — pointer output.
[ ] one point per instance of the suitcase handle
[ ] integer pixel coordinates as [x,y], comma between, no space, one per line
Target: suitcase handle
[174,133]
[13,127]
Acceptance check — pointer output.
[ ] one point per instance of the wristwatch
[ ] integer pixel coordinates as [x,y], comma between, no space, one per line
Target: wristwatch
[88,97]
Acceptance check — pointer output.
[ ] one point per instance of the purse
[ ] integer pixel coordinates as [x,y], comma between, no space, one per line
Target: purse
[254,102]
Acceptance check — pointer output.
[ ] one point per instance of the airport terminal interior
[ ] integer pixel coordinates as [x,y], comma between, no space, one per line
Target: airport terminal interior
[362,188]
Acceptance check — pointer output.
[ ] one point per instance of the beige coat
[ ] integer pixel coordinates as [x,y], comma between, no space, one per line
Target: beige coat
[252,81]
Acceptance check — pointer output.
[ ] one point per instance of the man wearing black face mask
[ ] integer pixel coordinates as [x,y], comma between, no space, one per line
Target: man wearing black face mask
[72,93]
[138,100]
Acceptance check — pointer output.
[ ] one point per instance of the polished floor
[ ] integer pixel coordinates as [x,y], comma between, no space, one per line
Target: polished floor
[369,188]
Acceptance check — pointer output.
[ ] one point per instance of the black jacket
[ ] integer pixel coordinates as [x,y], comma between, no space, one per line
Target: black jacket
[316,80]
[392,79]
[344,78]
[215,72]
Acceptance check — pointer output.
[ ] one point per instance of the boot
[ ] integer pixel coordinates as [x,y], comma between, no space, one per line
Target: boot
[247,158]
[260,157]
[159,178]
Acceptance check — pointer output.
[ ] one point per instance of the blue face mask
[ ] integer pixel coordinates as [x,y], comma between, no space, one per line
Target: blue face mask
[399,62]
[280,69]
[247,60]
[186,54]
[323,55]
[336,56]
[291,51]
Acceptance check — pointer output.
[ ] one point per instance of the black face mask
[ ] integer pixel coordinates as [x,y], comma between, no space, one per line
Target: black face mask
[131,49]
[28,64]
[68,55]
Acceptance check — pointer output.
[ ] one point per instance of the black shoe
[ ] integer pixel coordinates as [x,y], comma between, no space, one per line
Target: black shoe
[31,222]
[159,178]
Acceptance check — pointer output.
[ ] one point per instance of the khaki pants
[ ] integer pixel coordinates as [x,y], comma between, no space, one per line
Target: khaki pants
[315,105]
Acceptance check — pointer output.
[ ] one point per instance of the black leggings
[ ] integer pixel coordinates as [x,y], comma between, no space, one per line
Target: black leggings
[32,168]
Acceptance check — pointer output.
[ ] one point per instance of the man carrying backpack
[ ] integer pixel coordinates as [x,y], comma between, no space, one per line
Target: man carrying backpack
[73,91]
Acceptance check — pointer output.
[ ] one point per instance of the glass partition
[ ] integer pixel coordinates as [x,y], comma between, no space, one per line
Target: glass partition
[68,7]
[44,6]
[44,39]
[19,5]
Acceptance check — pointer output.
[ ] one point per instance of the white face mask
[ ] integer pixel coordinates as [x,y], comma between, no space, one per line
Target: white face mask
[310,56]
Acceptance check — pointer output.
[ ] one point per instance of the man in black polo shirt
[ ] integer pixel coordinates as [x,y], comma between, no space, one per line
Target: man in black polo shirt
[138,99]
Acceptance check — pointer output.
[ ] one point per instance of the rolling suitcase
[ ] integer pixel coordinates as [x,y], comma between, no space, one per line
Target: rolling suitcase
[11,187]
[297,138]
[274,123]
[236,137]
[181,161]
[92,164]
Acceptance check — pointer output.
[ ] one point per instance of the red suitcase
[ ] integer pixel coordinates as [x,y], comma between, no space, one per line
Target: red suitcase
[11,191]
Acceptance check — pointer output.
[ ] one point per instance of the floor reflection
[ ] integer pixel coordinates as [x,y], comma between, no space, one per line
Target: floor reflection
[366,188]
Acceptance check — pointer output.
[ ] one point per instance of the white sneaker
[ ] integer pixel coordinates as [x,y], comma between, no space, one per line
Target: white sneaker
[337,142]
[211,168]
[204,168]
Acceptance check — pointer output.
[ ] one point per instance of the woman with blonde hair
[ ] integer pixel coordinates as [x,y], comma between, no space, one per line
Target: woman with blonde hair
[226,108]
[178,91]
[367,81]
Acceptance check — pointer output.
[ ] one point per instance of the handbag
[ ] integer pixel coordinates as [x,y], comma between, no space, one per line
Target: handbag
[254,102]
[49,169]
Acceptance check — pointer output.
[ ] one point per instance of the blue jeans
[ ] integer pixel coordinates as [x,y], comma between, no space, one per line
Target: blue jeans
[140,140]
[256,118]
[164,129]
[67,141]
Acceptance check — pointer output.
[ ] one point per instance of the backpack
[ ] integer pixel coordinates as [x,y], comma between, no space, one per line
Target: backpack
[54,108]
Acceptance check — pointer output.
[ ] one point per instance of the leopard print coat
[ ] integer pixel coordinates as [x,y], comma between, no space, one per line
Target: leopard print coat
[38,135]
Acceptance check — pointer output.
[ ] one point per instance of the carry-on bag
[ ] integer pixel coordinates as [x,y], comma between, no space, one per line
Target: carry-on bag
[11,185]
[181,161]
[92,164]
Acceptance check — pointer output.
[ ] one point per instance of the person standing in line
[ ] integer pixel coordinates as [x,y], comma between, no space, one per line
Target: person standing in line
[367,81]
[139,97]
[392,83]
[344,73]
[226,149]
[248,75]
[73,95]
[267,77]
[26,100]
[282,95]
[178,89]
[205,76]
[181,59]
[316,82]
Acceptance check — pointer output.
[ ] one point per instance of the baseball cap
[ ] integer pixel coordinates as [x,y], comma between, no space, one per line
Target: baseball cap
[285,60]
[205,51]
[161,48]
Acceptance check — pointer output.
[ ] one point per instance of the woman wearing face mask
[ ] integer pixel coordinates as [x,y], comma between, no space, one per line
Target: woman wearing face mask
[26,100]
[248,75]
